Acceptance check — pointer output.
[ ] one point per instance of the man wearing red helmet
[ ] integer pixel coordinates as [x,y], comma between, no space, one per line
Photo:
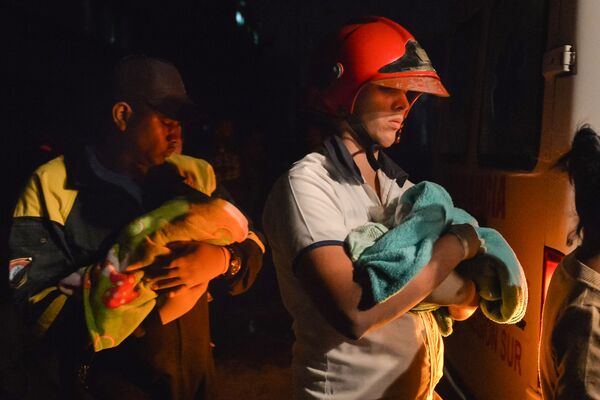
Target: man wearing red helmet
[371,75]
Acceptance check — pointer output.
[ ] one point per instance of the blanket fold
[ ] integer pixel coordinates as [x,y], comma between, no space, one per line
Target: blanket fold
[116,300]
[386,260]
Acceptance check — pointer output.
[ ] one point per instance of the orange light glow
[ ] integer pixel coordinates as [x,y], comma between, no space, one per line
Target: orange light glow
[551,260]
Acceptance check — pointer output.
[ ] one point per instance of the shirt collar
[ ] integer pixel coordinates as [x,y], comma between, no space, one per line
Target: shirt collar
[125,182]
[336,151]
[79,172]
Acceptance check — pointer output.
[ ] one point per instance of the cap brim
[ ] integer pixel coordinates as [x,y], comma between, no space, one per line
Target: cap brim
[424,84]
[178,108]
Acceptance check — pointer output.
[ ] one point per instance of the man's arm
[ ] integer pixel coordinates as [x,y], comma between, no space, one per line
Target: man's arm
[193,264]
[326,274]
[47,309]
[38,252]
[199,176]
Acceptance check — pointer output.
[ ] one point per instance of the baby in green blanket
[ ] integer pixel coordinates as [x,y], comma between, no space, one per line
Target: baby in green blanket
[116,296]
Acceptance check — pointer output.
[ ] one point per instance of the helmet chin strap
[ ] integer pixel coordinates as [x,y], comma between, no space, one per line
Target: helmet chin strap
[362,135]
[364,139]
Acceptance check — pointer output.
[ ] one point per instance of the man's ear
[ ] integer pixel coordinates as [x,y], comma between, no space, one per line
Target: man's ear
[121,113]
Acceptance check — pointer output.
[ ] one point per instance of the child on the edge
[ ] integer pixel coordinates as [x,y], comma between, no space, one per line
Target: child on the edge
[570,343]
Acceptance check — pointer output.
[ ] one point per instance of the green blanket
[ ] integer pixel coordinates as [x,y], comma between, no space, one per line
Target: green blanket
[385,261]
[115,298]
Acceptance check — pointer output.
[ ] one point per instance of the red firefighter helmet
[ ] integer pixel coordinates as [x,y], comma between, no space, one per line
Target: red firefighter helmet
[379,51]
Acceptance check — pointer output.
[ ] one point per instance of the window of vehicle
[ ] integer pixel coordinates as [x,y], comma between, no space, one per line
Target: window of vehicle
[513,85]
[460,79]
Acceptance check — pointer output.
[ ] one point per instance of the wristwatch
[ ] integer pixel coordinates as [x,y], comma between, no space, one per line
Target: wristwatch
[235,262]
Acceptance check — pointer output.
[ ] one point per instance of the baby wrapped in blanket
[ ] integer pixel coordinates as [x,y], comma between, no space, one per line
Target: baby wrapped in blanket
[386,260]
[116,298]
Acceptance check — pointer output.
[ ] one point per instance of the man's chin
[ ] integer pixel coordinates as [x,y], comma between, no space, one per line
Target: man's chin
[159,160]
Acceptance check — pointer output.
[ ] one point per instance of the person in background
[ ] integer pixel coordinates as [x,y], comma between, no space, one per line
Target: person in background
[70,214]
[226,160]
[366,80]
[569,356]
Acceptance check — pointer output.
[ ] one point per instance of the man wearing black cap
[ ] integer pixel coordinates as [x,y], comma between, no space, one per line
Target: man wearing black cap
[69,215]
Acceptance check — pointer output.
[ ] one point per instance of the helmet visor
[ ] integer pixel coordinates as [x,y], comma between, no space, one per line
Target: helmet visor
[423,84]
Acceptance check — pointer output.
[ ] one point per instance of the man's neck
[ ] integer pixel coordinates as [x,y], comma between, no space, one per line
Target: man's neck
[114,159]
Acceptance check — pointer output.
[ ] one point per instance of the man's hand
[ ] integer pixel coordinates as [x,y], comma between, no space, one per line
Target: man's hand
[191,265]
[71,284]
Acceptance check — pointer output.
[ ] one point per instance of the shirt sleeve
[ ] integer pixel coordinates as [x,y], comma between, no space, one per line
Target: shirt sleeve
[303,212]
[576,343]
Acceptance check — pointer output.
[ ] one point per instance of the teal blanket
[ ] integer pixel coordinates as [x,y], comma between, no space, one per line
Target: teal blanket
[385,261]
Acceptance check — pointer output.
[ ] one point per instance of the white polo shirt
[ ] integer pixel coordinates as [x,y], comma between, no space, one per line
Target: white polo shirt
[317,203]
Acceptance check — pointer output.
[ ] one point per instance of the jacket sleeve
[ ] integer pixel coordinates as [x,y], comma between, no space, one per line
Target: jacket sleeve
[38,254]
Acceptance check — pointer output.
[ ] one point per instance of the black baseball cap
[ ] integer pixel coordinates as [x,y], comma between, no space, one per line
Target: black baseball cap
[154,82]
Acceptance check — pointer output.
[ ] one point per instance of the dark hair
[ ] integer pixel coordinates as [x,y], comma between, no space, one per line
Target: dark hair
[582,163]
